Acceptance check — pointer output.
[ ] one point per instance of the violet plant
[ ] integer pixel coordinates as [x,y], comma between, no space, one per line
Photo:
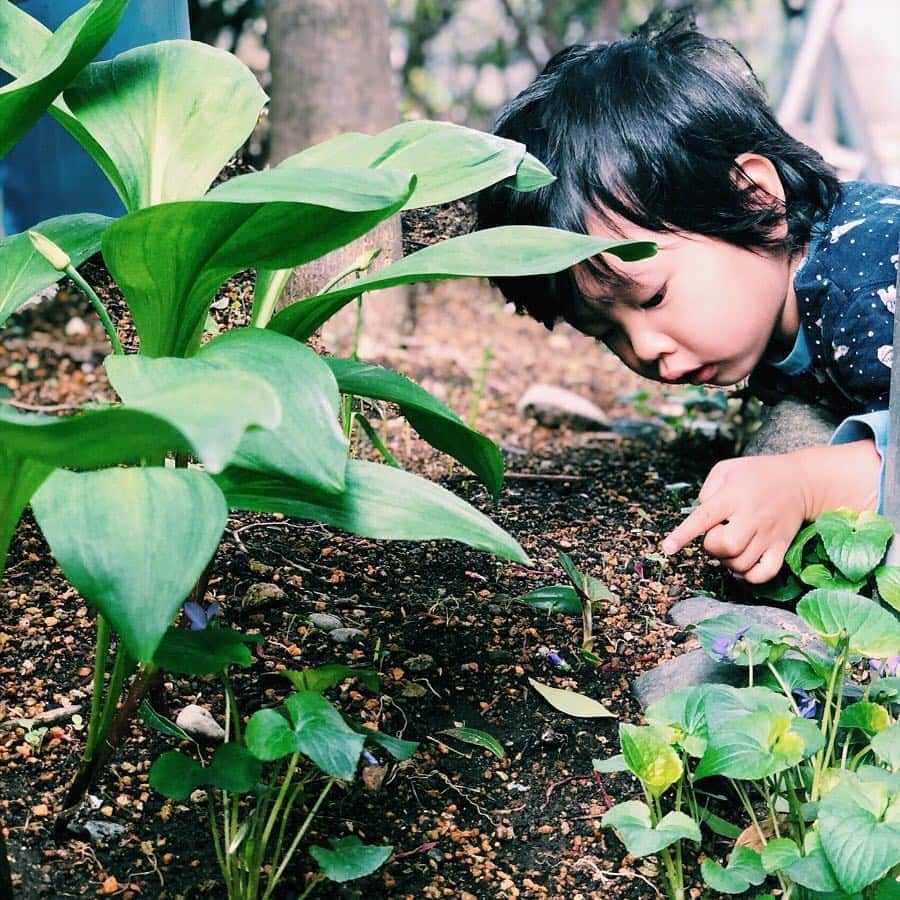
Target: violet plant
[810,748]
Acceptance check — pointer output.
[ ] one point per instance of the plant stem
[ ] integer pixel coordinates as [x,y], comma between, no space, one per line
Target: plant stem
[785,689]
[748,806]
[101,649]
[99,308]
[116,681]
[316,879]
[829,724]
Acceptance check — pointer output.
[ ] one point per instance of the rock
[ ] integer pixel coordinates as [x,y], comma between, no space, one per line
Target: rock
[555,406]
[324,621]
[373,777]
[101,830]
[76,327]
[421,663]
[790,425]
[641,429]
[262,594]
[346,635]
[260,568]
[686,670]
[199,723]
[412,690]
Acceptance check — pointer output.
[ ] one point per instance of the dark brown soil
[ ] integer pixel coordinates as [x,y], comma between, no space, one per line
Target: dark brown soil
[463,824]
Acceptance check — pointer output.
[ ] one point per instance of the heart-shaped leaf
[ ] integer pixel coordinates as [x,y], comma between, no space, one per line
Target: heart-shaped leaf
[793,673]
[886,745]
[273,219]
[42,75]
[434,421]
[152,111]
[887,579]
[734,638]
[310,725]
[25,271]
[232,768]
[205,652]
[632,823]
[818,575]
[869,629]
[509,250]
[684,711]
[132,542]
[554,598]
[854,541]
[795,556]
[744,869]
[323,677]
[349,858]
[650,757]
[778,854]
[213,408]
[865,715]
[859,826]
[378,502]
[813,870]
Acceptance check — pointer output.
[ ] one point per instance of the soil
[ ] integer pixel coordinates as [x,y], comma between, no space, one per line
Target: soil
[438,621]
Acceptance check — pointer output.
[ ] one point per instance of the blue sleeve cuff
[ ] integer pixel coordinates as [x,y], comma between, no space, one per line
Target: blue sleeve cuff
[798,360]
[871,426]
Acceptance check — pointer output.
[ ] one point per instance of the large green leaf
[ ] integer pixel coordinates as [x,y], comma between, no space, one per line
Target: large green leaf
[813,870]
[312,726]
[349,858]
[554,598]
[854,541]
[684,711]
[859,825]
[869,629]
[886,745]
[132,542]
[434,421]
[19,479]
[632,822]
[24,271]
[650,757]
[888,580]
[308,445]
[275,219]
[41,76]
[743,870]
[211,407]
[377,502]
[154,109]
[449,161]
[232,768]
[507,251]
[205,652]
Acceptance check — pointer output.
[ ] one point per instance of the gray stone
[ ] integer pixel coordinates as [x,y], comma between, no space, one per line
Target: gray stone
[421,663]
[199,723]
[324,621]
[101,830]
[346,635]
[554,407]
[790,425]
[262,594]
[687,670]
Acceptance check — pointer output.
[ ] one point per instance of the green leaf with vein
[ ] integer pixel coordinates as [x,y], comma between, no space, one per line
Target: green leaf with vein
[632,823]
[276,219]
[25,272]
[650,757]
[434,421]
[743,870]
[554,598]
[506,251]
[886,745]
[378,502]
[349,858]
[132,542]
[152,110]
[232,768]
[323,677]
[571,703]
[43,70]
[870,629]
[887,579]
[476,738]
[865,715]
[854,541]
[206,652]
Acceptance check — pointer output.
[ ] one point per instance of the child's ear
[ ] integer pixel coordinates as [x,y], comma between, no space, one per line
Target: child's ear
[754,170]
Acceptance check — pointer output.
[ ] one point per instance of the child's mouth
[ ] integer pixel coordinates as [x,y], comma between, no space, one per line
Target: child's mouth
[700,375]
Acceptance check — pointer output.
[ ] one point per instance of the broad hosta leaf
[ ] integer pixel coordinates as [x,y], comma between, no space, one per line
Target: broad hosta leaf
[349,858]
[886,745]
[869,628]
[632,823]
[476,738]
[859,825]
[152,110]
[887,578]
[743,870]
[19,479]
[377,502]
[554,598]
[323,677]
[650,757]
[41,76]
[434,421]
[510,250]
[684,711]
[571,703]
[25,272]
[855,542]
[308,444]
[205,652]
[865,715]
[213,408]
[232,768]
[132,542]
[449,161]
[311,726]
[273,219]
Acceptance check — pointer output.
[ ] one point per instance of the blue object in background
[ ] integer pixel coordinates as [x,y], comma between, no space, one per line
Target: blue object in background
[48,173]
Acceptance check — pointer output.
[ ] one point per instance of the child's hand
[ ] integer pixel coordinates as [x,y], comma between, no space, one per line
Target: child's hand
[750,509]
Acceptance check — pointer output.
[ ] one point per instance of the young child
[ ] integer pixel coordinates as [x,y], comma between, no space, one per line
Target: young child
[766,266]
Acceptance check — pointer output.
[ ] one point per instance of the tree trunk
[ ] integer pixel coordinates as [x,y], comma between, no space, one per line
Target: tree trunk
[331,73]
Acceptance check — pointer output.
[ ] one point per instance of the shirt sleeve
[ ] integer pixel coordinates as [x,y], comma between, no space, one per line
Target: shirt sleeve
[868,426]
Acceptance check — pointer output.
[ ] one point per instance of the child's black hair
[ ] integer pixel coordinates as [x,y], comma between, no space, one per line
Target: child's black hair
[648,128]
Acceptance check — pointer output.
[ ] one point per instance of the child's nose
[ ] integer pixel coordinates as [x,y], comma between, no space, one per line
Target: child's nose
[648,344]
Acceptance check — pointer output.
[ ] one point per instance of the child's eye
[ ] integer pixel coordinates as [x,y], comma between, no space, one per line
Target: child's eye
[655,300]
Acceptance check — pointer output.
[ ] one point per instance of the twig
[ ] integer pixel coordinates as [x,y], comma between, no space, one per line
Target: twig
[537,476]
[36,407]
[48,717]
[552,787]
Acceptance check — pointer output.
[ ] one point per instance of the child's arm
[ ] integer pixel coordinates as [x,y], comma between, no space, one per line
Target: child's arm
[751,508]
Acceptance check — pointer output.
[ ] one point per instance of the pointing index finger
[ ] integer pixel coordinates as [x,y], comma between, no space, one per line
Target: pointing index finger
[698,522]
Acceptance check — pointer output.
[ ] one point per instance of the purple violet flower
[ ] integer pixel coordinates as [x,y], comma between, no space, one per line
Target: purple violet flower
[725,647]
[553,658]
[200,616]
[891,666]
[806,703]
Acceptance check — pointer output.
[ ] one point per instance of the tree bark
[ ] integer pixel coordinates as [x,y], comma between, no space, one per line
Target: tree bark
[331,73]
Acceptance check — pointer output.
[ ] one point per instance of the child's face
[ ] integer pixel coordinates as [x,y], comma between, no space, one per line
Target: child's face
[700,311]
